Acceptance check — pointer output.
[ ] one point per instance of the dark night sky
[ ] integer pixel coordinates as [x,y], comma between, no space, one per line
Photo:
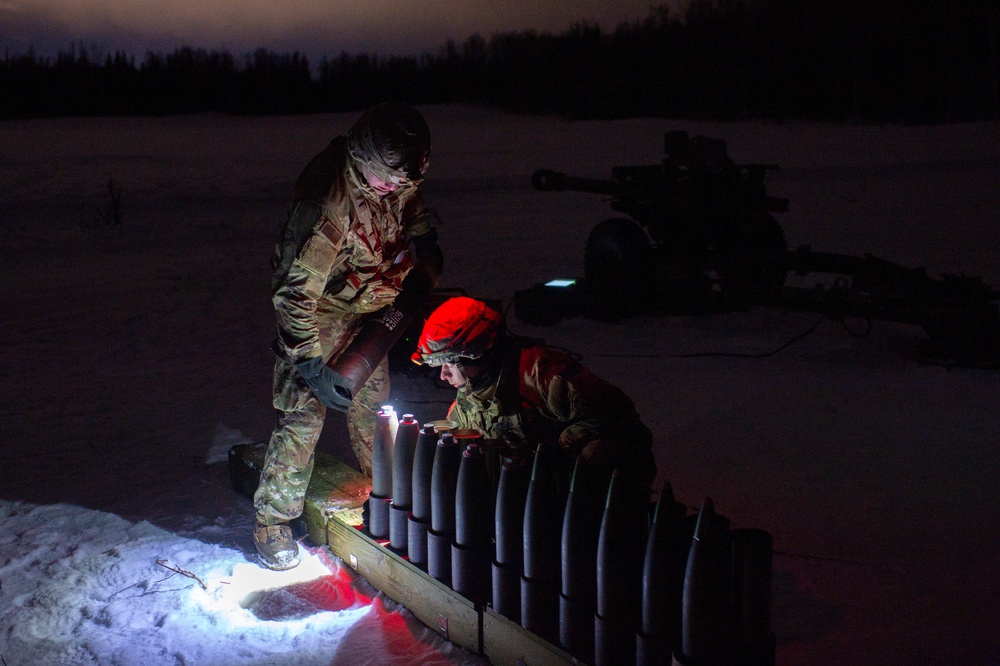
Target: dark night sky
[312,27]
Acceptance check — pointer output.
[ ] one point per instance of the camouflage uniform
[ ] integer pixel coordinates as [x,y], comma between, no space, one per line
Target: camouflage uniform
[543,395]
[344,253]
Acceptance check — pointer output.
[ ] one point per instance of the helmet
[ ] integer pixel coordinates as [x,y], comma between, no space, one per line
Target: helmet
[460,327]
[392,139]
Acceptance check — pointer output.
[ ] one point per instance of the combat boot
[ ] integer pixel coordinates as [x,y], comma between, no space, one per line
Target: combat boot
[276,548]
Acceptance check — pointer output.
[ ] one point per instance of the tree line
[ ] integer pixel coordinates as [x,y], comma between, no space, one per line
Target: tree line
[857,60]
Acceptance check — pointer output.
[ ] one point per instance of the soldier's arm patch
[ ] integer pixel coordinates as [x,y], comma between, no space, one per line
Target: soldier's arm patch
[320,251]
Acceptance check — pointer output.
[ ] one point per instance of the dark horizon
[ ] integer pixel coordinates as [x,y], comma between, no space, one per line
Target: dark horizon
[772,60]
[313,27]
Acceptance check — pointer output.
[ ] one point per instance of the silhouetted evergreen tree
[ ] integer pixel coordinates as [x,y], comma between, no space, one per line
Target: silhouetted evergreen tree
[856,60]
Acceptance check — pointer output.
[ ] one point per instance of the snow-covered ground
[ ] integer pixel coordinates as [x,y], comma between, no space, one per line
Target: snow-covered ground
[132,357]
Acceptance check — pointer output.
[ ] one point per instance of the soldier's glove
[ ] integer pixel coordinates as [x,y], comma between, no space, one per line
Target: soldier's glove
[331,387]
[599,452]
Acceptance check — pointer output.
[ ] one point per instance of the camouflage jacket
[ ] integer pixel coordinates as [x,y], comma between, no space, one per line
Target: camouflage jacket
[543,395]
[343,250]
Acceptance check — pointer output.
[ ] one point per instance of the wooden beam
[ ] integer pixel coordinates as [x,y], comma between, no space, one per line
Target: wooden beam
[506,643]
[433,603]
[333,517]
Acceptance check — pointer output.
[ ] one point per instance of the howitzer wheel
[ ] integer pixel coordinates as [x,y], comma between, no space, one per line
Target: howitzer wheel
[618,265]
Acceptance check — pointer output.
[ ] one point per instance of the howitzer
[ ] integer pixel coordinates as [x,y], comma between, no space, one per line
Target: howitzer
[701,236]
[696,214]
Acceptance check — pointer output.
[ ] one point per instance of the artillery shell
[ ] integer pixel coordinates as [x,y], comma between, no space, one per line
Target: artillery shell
[662,581]
[416,541]
[705,636]
[540,582]
[542,522]
[378,516]
[420,509]
[439,555]
[382,453]
[471,552]
[474,503]
[444,476]
[402,472]
[470,572]
[580,530]
[619,574]
[402,460]
[507,590]
[381,492]
[423,465]
[509,529]
[512,491]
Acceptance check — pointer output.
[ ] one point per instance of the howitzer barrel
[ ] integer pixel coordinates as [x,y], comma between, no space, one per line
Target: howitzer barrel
[548,180]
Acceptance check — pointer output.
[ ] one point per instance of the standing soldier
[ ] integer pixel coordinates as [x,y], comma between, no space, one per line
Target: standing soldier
[356,227]
[522,394]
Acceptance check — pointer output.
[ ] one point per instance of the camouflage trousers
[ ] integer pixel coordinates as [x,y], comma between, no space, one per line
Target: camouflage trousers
[288,463]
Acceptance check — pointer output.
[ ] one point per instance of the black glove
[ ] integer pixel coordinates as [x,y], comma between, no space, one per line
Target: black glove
[332,388]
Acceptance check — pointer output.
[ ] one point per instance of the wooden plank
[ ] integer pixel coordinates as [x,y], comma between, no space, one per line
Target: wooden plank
[332,515]
[433,603]
[506,643]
